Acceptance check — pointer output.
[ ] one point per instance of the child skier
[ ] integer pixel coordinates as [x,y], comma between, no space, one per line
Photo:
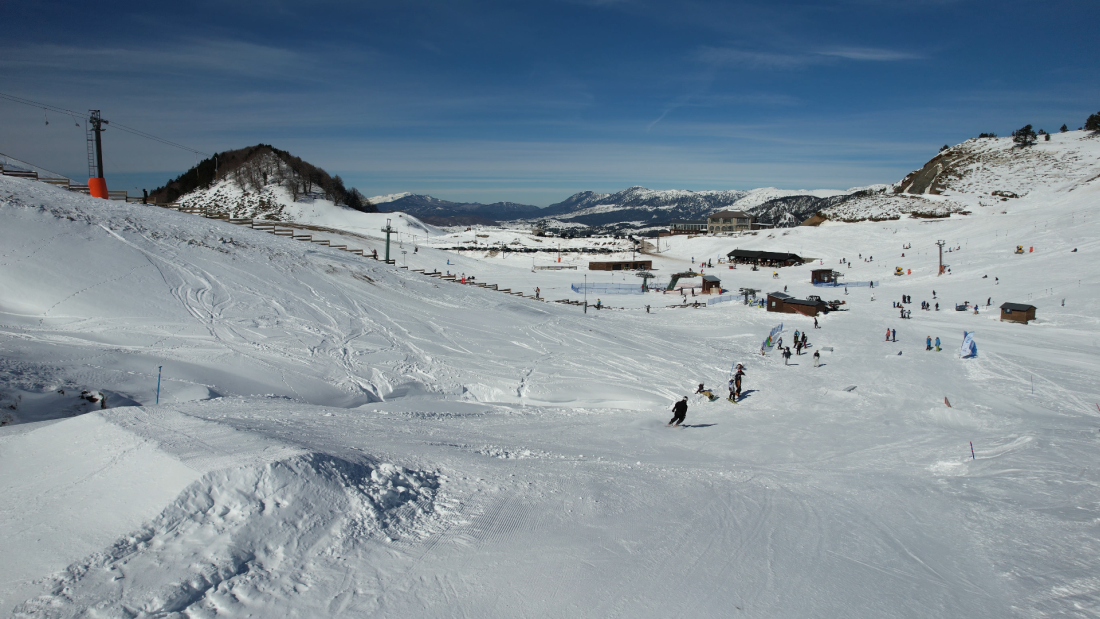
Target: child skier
[817,358]
[736,390]
[928,343]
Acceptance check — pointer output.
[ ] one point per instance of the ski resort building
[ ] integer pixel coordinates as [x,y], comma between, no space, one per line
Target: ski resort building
[786,304]
[711,284]
[1017,312]
[620,265]
[687,226]
[764,258]
[729,221]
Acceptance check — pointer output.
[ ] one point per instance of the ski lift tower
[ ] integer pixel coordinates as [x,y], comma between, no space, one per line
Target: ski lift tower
[388,230]
[97,185]
[940,244]
[748,292]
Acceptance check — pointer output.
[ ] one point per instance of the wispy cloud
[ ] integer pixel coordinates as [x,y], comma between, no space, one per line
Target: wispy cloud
[726,56]
[869,53]
[752,59]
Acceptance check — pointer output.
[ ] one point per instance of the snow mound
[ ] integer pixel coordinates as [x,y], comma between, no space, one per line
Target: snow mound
[246,538]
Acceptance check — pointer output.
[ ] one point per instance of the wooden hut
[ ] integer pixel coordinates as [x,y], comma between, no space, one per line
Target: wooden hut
[711,284]
[1017,312]
[824,276]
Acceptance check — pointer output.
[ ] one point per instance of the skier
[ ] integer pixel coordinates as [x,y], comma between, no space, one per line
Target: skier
[887,335]
[647,309]
[798,347]
[815,323]
[537,291]
[786,355]
[937,307]
[804,339]
[796,335]
[927,343]
[817,358]
[937,344]
[989,301]
[599,304]
[893,335]
[679,411]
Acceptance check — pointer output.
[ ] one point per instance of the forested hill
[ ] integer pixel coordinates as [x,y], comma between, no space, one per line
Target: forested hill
[299,177]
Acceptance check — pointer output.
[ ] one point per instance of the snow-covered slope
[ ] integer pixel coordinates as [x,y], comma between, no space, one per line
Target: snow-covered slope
[978,173]
[338,437]
[273,202]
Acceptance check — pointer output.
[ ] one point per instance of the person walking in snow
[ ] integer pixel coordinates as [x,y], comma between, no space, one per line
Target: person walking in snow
[815,323]
[804,340]
[937,344]
[537,291]
[893,335]
[735,391]
[679,412]
[928,343]
[887,335]
[798,347]
[817,358]
[786,355]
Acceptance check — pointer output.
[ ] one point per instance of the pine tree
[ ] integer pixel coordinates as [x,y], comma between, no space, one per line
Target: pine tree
[1093,122]
[1025,136]
[1064,128]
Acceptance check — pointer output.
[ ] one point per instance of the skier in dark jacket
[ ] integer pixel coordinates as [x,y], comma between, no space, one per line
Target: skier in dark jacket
[679,411]
[735,391]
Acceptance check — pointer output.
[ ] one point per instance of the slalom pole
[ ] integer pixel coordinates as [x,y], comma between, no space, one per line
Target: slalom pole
[972,457]
[158,383]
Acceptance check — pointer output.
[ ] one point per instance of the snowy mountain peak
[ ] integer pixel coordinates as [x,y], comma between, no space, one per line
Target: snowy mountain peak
[390,197]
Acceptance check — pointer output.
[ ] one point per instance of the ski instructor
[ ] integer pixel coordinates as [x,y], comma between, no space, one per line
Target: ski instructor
[679,411]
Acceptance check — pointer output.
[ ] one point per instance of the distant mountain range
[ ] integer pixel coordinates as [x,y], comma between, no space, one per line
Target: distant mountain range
[632,208]
[446,213]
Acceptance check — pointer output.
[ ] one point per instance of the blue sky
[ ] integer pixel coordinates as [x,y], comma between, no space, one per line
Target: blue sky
[535,100]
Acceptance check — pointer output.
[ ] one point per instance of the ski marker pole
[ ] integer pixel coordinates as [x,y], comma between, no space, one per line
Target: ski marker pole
[972,457]
[158,383]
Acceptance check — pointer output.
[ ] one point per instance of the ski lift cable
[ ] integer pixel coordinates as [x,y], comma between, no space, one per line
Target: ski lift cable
[121,127]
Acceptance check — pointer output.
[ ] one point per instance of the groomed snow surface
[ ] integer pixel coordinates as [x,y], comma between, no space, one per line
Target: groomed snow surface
[338,437]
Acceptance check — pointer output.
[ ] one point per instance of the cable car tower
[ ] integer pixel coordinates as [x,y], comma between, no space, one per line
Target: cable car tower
[97,185]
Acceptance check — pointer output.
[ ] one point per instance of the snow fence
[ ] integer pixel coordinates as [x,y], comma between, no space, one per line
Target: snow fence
[608,288]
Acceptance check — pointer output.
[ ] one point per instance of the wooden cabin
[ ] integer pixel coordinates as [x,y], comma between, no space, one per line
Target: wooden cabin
[621,265]
[824,276]
[711,285]
[1017,312]
[786,304]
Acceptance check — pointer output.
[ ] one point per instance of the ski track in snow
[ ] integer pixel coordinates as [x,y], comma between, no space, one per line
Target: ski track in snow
[341,438]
